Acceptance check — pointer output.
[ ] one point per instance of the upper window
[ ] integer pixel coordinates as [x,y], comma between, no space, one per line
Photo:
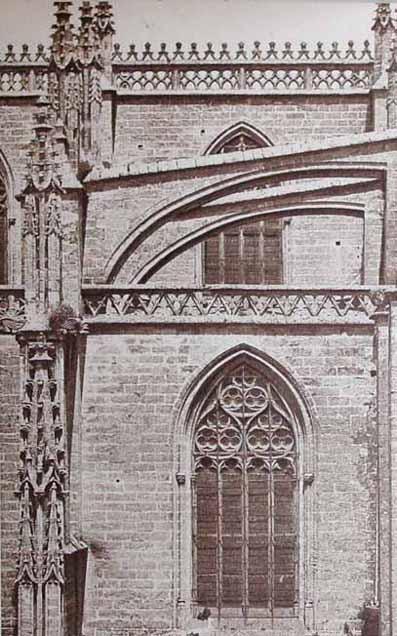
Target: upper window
[3,233]
[245,498]
[248,254]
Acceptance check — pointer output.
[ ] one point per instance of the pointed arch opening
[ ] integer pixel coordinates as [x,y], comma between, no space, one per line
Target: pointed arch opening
[240,136]
[248,449]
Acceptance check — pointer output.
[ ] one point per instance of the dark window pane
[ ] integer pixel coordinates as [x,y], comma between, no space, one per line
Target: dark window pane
[206,538]
[252,257]
[212,261]
[258,539]
[232,259]
[232,538]
[284,540]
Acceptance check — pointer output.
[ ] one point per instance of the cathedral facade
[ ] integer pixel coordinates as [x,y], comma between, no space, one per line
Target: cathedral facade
[198,336]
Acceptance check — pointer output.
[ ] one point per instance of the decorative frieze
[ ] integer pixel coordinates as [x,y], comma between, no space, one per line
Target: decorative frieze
[257,52]
[220,304]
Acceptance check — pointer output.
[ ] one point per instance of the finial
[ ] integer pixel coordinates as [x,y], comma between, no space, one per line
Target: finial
[104,18]
[383,17]
[88,34]
[178,53]
[63,38]
[209,53]
[224,52]
[241,51]
[287,50]
[163,53]
[256,52]
[193,53]
[147,53]
[43,166]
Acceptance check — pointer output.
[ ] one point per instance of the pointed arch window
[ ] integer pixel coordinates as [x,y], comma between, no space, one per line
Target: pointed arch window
[250,254]
[3,233]
[245,498]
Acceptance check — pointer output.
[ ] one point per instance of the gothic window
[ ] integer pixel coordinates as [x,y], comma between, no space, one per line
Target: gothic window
[3,233]
[248,254]
[245,498]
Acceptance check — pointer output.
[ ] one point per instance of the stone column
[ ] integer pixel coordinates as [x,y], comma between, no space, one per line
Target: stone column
[393,462]
[383,591]
[391,102]
[384,30]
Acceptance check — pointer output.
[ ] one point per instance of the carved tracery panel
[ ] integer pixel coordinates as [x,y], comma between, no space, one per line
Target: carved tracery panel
[245,497]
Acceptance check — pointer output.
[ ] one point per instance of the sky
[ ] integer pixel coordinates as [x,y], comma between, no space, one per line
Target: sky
[138,21]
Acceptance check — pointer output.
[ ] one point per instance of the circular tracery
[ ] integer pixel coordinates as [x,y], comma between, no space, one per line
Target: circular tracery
[246,417]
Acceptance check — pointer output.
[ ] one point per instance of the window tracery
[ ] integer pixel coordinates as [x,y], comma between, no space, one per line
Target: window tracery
[245,497]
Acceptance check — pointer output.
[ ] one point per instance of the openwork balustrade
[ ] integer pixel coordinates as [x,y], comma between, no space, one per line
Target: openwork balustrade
[25,71]
[256,68]
[230,304]
[12,310]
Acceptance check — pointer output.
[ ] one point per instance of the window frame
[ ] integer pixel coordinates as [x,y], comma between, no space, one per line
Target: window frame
[186,609]
[239,228]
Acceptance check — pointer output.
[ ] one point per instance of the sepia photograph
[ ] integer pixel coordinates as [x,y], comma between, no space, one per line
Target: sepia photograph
[198,318]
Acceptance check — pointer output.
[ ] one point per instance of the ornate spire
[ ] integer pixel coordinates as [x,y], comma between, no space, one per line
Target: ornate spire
[383,17]
[43,168]
[63,37]
[104,18]
[89,41]
[105,29]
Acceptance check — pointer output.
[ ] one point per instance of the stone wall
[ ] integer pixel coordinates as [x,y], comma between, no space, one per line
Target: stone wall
[133,389]
[163,128]
[9,450]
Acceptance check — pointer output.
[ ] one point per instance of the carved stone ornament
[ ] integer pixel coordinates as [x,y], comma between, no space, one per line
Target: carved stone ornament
[12,314]
[42,482]
[383,17]
[43,168]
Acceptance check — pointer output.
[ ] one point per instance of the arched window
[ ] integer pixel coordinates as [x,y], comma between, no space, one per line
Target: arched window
[3,232]
[240,136]
[250,254]
[245,498]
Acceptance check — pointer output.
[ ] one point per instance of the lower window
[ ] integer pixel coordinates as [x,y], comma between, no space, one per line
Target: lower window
[245,499]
